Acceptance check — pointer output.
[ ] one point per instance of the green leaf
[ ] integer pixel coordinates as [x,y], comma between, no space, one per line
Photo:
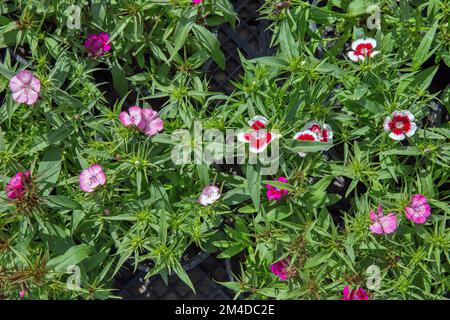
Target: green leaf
[182,29]
[120,82]
[308,146]
[422,53]
[49,169]
[253,174]
[72,257]
[210,43]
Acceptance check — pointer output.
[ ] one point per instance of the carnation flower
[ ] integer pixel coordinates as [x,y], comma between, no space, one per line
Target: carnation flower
[92,177]
[281,268]
[363,48]
[400,125]
[418,209]
[382,224]
[274,193]
[146,120]
[131,118]
[210,194]
[25,87]
[97,44]
[313,131]
[17,185]
[259,138]
[358,294]
[151,124]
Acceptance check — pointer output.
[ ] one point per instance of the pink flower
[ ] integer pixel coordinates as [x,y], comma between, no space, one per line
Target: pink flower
[400,125]
[382,224]
[313,131]
[281,268]
[363,48]
[16,186]
[359,294]
[146,120]
[22,294]
[196,1]
[91,178]
[97,44]
[25,87]
[210,194]
[418,209]
[258,138]
[131,118]
[151,124]
[274,193]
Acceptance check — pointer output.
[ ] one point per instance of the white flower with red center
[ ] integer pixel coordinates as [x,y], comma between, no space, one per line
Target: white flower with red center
[324,133]
[400,125]
[313,131]
[363,48]
[259,138]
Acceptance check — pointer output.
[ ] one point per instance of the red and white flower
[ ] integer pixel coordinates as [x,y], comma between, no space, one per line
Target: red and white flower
[400,125]
[313,131]
[259,138]
[363,48]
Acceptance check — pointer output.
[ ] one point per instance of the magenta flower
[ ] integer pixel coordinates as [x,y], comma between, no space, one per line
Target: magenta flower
[359,294]
[196,2]
[131,118]
[210,194]
[22,294]
[362,49]
[25,87]
[418,209]
[146,120]
[151,124]
[274,193]
[281,268]
[91,178]
[97,44]
[16,186]
[382,224]
[400,125]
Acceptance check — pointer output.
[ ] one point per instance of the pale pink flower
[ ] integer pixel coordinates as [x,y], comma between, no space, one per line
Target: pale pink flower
[150,124]
[210,194]
[274,193]
[25,87]
[281,268]
[17,185]
[258,138]
[358,294]
[91,178]
[131,118]
[97,44]
[418,209]
[382,224]
[400,125]
[362,49]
